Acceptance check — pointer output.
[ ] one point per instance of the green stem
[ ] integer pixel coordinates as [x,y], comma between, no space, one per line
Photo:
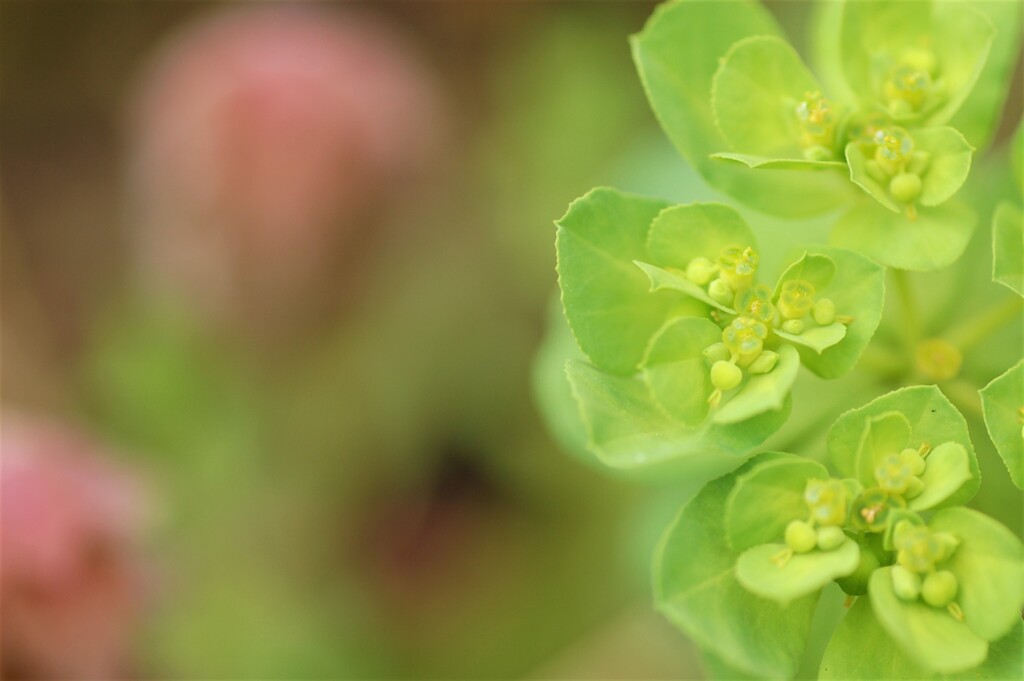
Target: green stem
[912,328]
[970,332]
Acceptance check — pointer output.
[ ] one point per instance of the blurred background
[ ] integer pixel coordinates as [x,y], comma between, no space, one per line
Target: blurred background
[273,279]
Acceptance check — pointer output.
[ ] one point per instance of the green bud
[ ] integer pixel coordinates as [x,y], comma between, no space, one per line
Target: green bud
[917,549]
[830,538]
[796,298]
[905,187]
[764,363]
[894,146]
[716,352]
[800,536]
[906,584]
[948,543]
[720,292]
[725,375]
[824,312]
[939,588]
[700,271]
[857,583]
[913,460]
[793,326]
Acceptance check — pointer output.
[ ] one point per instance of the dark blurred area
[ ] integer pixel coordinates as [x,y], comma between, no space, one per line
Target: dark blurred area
[273,276]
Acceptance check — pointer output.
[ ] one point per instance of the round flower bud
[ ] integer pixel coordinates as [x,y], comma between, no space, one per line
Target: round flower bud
[700,271]
[939,588]
[913,460]
[827,501]
[720,292]
[796,298]
[917,549]
[756,303]
[738,265]
[716,352]
[905,584]
[824,312]
[800,536]
[830,538]
[793,326]
[764,363]
[893,475]
[905,187]
[725,375]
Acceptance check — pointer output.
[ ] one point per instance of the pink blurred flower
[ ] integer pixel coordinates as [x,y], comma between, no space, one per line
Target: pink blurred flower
[262,139]
[70,581]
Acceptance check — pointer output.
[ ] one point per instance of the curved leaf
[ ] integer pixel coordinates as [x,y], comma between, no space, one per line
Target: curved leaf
[883,435]
[676,55]
[752,161]
[664,280]
[802,574]
[931,637]
[934,240]
[681,233]
[766,497]
[675,370]
[989,567]
[933,419]
[947,469]
[607,300]
[1002,402]
[754,96]
[1008,247]
[695,587]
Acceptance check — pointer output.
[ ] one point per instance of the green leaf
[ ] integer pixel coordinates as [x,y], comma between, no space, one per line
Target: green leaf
[695,587]
[883,435]
[1008,247]
[949,165]
[933,419]
[754,96]
[676,371]
[802,574]
[857,288]
[931,637]
[766,497]
[677,55]
[875,36]
[752,161]
[1002,402]
[861,650]
[980,113]
[816,338]
[607,300]
[664,280]
[989,567]
[934,240]
[628,430]
[763,392]
[947,469]
[681,233]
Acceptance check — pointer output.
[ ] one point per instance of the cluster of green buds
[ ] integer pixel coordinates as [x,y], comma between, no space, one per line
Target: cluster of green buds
[735,269]
[916,575]
[817,121]
[741,347]
[898,165]
[828,508]
[797,301]
[912,82]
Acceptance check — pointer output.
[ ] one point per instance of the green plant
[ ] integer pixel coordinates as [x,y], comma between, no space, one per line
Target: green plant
[680,357]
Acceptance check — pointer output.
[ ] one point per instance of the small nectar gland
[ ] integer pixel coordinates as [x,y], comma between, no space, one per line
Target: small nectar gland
[939,588]
[744,338]
[905,584]
[700,271]
[725,375]
[716,352]
[894,147]
[737,266]
[796,298]
[801,536]
[756,303]
[817,121]
[830,537]
[827,501]
[913,460]
[824,312]
[764,363]
[720,292]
